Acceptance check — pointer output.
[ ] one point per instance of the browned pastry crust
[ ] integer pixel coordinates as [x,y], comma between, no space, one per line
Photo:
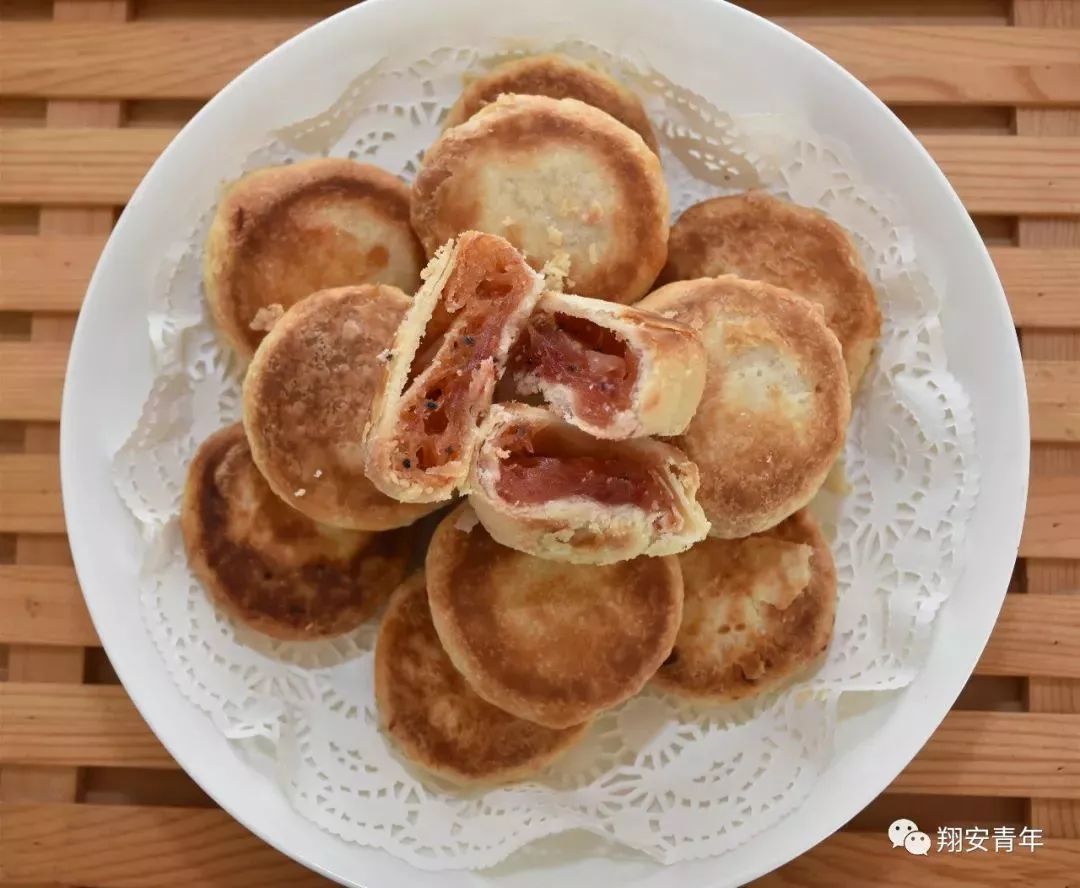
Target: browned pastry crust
[558,179]
[433,715]
[556,77]
[267,565]
[549,642]
[776,406]
[307,400]
[757,611]
[284,232]
[760,237]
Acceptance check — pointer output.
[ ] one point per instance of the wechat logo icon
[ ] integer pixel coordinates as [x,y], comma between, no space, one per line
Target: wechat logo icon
[904,833]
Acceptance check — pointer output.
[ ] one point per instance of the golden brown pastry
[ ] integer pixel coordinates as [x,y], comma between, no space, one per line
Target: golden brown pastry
[436,719]
[558,179]
[543,487]
[284,232]
[760,237]
[776,404]
[756,611]
[307,399]
[548,642]
[267,565]
[441,370]
[611,370]
[557,77]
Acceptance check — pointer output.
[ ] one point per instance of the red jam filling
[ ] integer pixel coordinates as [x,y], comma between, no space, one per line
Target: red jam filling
[539,471]
[594,362]
[487,285]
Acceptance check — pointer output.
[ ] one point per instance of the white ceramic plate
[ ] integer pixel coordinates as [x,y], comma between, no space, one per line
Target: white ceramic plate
[700,43]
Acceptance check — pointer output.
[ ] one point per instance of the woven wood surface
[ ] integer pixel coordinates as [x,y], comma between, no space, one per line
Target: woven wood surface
[90,93]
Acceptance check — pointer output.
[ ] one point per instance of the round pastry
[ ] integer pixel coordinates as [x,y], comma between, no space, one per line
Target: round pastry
[611,370]
[776,405]
[757,611]
[436,719]
[267,565]
[548,642]
[546,488]
[556,77]
[284,232]
[442,368]
[760,237]
[307,399]
[560,180]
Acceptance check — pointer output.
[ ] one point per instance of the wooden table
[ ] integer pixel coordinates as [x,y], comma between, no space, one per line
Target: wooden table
[92,90]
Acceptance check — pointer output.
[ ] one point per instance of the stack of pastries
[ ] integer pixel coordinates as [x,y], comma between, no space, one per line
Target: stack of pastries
[621,421]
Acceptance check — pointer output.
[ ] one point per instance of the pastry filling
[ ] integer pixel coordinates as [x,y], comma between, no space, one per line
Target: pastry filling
[485,288]
[541,466]
[589,359]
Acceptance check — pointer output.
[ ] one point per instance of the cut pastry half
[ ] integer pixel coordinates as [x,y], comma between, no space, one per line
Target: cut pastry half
[541,486]
[611,370]
[441,370]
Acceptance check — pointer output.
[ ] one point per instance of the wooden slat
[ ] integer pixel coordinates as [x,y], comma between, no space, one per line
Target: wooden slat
[1022,175]
[1035,635]
[973,753]
[30,494]
[34,662]
[113,846]
[94,166]
[1016,754]
[163,60]
[955,65]
[1043,285]
[1054,396]
[930,45]
[993,174]
[122,846]
[932,811]
[868,859]
[42,273]
[195,59]
[1052,522]
[42,604]
[46,273]
[72,725]
[33,375]
[1062,816]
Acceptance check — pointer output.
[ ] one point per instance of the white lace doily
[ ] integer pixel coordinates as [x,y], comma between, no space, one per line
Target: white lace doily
[656,775]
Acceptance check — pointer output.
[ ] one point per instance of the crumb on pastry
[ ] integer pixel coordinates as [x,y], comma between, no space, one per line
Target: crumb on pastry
[266,317]
[466,521]
[555,270]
